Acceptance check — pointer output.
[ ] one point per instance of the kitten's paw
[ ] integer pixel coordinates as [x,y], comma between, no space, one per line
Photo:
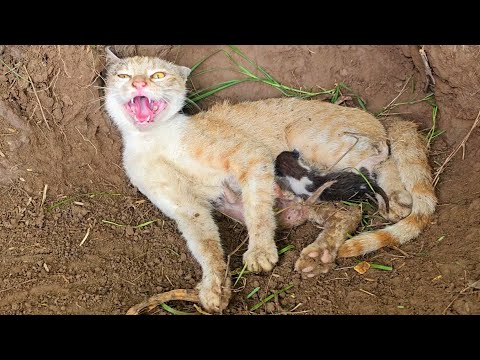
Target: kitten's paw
[261,258]
[315,259]
[400,206]
[214,293]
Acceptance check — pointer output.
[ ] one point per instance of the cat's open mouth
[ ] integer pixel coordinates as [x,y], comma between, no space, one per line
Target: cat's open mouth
[143,109]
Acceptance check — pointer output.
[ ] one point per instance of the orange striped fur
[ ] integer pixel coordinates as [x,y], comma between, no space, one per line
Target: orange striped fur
[181,163]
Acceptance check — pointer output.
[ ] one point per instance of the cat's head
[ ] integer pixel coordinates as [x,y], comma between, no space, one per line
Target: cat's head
[144,90]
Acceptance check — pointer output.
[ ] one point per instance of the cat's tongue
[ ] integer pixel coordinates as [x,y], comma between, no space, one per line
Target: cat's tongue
[142,109]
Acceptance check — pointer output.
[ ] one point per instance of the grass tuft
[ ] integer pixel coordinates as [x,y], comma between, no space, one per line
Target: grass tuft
[270,297]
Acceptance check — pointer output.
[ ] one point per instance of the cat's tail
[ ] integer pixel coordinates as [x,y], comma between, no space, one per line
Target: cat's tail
[409,155]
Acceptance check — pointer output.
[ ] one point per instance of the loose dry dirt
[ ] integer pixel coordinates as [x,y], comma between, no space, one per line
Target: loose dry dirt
[74,149]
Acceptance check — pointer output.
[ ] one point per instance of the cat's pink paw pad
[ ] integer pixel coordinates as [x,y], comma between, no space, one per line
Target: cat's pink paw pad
[315,260]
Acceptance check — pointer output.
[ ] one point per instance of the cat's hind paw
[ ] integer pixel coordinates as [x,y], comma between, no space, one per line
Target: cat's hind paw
[314,260]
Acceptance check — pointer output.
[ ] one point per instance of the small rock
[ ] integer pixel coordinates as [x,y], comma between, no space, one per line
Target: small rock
[474,205]
[270,307]
[183,257]
[57,113]
[129,231]
[256,283]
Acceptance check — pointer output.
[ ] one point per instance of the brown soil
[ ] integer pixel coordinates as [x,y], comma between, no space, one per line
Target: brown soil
[74,149]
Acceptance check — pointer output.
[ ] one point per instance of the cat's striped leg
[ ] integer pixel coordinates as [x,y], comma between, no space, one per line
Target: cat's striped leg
[338,221]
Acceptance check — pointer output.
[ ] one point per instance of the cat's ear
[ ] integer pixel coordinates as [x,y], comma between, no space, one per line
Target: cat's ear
[111,57]
[184,72]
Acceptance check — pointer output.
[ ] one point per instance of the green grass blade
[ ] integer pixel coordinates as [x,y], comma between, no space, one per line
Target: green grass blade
[365,179]
[61,202]
[202,94]
[285,249]
[361,102]
[240,275]
[270,297]
[174,311]
[194,67]
[139,226]
[253,292]
[113,223]
[381,267]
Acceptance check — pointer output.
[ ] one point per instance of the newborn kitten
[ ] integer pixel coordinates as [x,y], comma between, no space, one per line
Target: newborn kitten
[302,180]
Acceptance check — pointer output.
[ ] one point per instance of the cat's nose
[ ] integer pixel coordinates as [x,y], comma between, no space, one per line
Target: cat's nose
[139,84]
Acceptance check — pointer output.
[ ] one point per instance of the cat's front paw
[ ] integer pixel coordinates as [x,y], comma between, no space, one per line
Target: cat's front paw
[261,258]
[315,259]
[214,293]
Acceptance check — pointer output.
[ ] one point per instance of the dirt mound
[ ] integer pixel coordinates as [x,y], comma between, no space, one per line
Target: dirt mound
[54,132]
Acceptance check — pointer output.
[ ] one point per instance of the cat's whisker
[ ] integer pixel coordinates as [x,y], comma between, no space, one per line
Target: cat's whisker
[102,98]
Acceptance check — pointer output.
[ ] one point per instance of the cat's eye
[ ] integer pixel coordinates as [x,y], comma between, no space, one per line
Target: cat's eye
[123,76]
[158,75]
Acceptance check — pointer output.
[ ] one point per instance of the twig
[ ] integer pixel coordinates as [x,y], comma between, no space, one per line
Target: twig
[14,286]
[152,302]
[346,152]
[85,237]
[386,108]
[87,140]
[366,292]
[428,69]
[44,196]
[462,144]
[36,95]
[230,255]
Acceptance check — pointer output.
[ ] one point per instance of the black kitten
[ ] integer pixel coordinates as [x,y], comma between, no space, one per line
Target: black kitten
[303,181]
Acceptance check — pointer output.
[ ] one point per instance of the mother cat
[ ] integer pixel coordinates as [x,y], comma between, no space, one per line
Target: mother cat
[181,163]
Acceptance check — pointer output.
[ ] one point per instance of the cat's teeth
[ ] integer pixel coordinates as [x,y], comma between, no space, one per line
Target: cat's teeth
[148,118]
[131,101]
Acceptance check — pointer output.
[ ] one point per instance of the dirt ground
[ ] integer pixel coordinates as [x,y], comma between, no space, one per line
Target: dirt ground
[54,133]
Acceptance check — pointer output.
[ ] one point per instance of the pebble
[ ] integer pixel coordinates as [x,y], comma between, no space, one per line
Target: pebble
[129,231]
[256,283]
[270,307]
[183,257]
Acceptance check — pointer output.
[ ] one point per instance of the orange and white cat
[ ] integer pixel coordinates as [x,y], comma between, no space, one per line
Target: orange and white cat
[183,163]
